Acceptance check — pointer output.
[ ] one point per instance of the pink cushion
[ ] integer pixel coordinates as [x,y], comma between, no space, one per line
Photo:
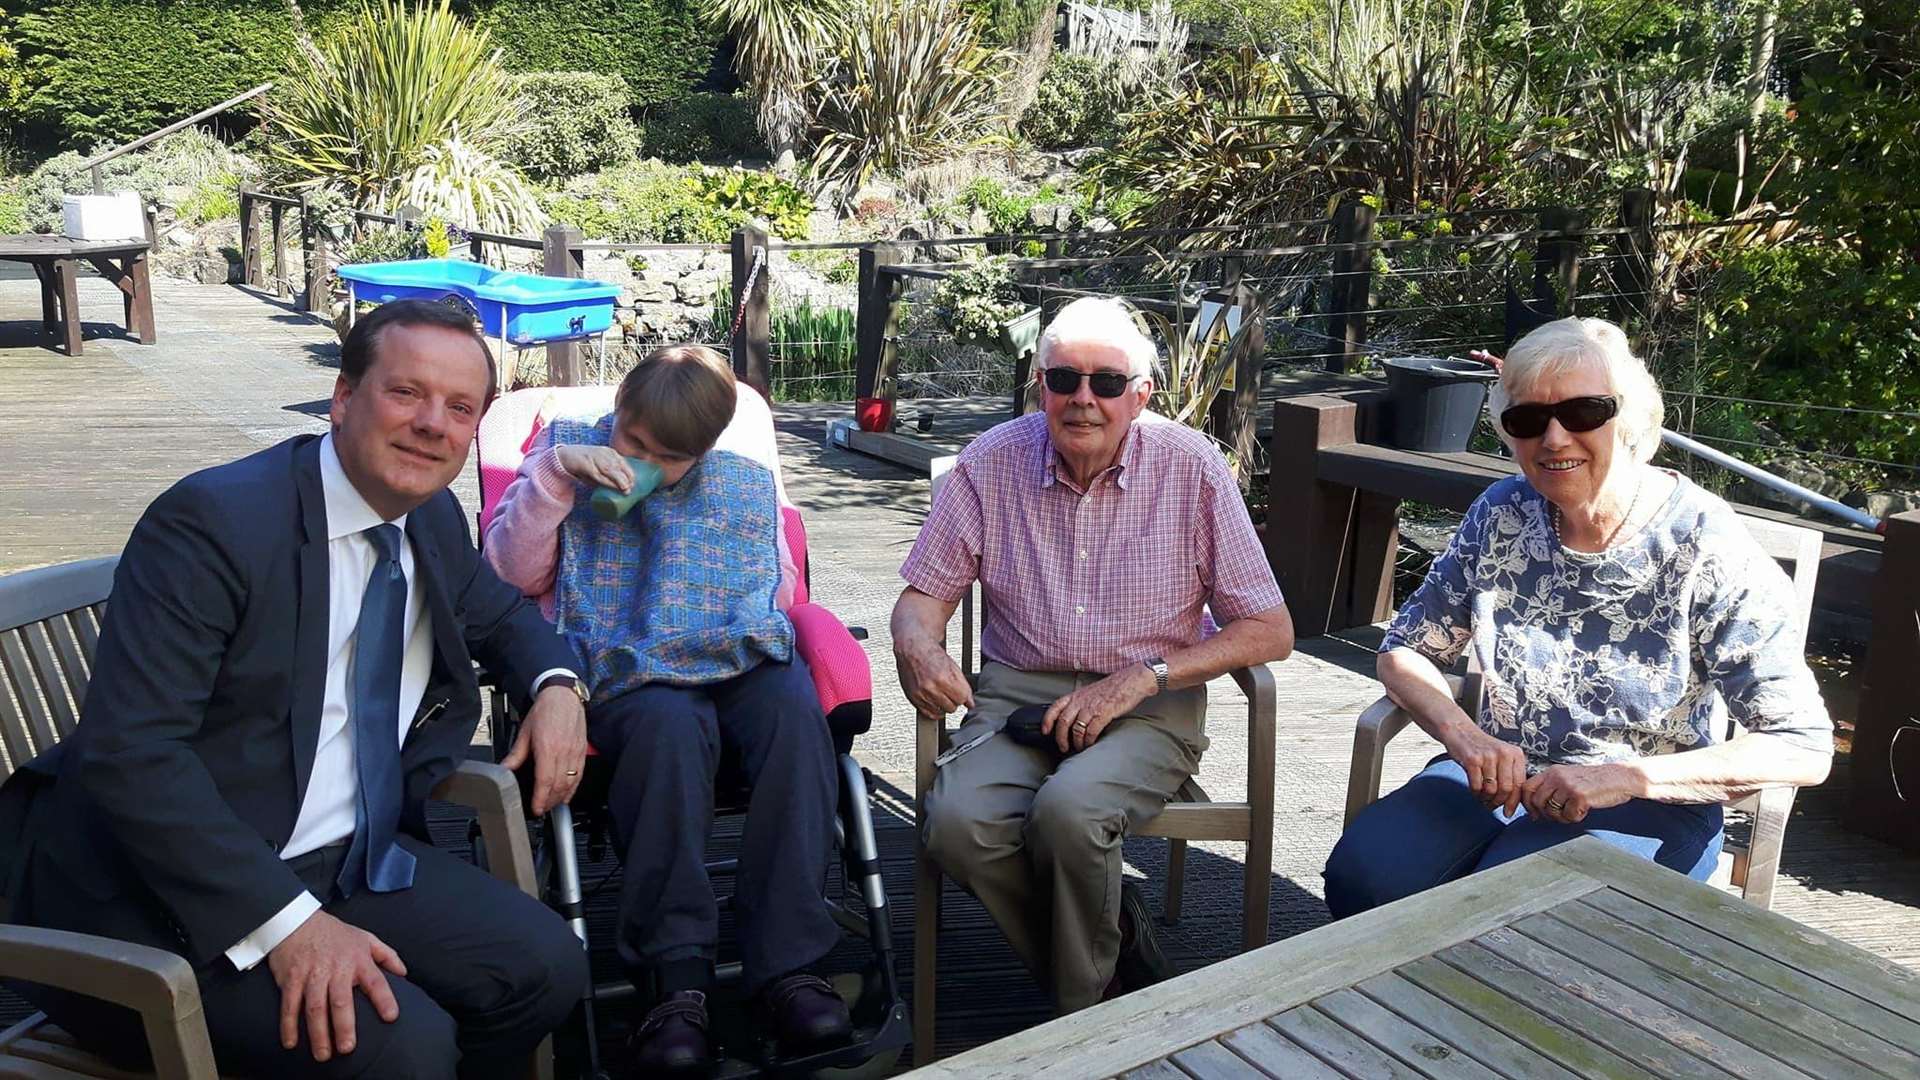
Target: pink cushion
[841,672]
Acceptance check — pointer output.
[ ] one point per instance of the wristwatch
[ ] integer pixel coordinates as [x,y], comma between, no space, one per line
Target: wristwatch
[1158,666]
[569,682]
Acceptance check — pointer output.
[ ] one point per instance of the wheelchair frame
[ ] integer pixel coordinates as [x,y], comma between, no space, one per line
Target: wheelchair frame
[881,1025]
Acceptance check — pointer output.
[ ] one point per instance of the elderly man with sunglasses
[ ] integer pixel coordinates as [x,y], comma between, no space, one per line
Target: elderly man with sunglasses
[1618,614]
[1101,538]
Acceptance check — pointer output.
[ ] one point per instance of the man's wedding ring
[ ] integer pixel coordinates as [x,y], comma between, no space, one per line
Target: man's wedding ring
[573,772]
[1556,805]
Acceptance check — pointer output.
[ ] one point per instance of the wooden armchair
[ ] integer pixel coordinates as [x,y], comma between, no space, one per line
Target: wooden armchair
[1756,863]
[1191,816]
[49,625]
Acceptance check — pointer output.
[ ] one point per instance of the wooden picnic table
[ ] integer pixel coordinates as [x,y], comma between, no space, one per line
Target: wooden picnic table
[1580,961]
[56,262]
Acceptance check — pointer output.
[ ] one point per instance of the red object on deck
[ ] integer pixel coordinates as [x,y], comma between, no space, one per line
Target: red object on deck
[874,413]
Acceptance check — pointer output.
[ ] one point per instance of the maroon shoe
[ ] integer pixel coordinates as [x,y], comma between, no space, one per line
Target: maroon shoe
[801,1011]
[672,1040]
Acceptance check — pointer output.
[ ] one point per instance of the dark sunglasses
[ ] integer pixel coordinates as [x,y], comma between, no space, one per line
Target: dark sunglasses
[1106,384]
[1575,414]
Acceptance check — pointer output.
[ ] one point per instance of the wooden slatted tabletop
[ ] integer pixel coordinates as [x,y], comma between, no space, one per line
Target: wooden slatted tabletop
[56,260]
[1580,961]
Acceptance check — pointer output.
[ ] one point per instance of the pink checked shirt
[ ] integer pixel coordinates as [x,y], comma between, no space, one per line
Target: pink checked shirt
[1092,581]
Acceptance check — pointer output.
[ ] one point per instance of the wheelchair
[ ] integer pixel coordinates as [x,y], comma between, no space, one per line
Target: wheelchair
[843,680]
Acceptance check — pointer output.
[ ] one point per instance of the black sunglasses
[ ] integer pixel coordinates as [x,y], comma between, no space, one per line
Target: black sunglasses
[1575,414]
[1106,384]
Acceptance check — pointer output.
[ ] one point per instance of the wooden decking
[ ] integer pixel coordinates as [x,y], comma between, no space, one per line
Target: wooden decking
[86,442]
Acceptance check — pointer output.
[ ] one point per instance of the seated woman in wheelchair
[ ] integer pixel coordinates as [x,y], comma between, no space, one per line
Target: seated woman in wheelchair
[1609,604]
[676,609]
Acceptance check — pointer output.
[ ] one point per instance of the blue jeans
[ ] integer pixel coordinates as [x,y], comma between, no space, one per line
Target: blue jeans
[1434,830]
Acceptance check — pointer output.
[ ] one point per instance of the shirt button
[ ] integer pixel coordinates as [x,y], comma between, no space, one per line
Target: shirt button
[1079,609]
[1083,554]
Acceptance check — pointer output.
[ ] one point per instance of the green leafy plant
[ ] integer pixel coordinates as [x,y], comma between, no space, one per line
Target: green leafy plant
[910,82]
[383,243]
[782,204]
[435,240]
[811,348]
[466,187]
[975,300]
[576,122]
[643,201]
[371,101]
[13,212]
[1199,360]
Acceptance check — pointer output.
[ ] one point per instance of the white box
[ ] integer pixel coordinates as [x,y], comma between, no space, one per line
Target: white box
[104,217]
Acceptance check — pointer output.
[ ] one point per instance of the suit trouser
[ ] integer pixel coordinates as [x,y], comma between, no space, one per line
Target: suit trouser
[667,743]
[490,971]
[1040,845]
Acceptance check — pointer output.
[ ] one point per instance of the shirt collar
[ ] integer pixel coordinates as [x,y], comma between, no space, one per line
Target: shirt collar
[347,511]
[1129,455]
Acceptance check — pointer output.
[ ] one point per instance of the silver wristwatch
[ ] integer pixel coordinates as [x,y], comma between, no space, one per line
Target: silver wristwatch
[1159,668]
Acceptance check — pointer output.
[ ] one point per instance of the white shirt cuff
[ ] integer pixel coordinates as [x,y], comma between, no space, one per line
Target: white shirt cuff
[255,946]
[550,673]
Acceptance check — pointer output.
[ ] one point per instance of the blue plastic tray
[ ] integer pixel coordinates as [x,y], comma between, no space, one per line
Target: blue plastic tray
[525,309]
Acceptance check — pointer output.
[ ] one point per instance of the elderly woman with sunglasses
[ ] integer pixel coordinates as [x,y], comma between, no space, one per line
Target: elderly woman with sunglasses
[1618,613]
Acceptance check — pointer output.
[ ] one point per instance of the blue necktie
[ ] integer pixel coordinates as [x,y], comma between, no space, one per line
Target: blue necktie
[374,861]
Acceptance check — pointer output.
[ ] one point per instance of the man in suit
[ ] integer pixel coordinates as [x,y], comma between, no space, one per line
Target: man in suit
[285,671]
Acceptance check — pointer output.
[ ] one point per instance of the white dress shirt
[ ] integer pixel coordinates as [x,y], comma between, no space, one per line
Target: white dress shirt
[328,810]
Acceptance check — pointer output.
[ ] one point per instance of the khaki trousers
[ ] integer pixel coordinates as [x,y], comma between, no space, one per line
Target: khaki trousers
[1040,845]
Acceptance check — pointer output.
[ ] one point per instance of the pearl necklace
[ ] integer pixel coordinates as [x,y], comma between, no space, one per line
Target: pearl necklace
[1632,504]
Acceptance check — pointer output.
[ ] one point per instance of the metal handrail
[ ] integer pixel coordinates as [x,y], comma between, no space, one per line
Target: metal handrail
[93,164]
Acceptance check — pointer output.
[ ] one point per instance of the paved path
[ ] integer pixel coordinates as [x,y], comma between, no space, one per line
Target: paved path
[85,443]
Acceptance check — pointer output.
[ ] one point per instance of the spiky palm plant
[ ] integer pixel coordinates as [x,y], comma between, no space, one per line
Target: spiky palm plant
[462,186]
[365,106]
[781,44]
[911,82]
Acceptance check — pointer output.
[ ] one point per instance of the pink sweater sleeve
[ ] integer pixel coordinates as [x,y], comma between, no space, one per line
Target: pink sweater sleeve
[523,539]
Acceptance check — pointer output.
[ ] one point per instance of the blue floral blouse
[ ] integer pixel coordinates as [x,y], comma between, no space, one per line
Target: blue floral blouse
[1642,649]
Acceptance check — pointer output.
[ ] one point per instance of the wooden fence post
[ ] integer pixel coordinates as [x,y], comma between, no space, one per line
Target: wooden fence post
[1335,552]
[749,339]
[1351,287]
[876,323]
[560,257]
[1885,788]
[1634,289]
[477,249]
[277,212]
[316,249]
[249,237]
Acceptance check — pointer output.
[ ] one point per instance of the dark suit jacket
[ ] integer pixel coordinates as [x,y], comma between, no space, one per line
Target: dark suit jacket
[196,740]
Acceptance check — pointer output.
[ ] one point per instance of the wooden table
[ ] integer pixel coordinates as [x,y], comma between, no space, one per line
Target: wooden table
[1581,961]
[56,261]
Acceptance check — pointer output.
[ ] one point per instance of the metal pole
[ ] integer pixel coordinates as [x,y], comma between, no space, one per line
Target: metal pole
[1786,487]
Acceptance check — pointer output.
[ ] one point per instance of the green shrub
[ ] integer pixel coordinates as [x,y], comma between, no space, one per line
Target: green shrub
[702,127]
[1008,212]
[660,47]
[1815,324]
[1078,103]
[185,159]
[105,71]
[575,122]
[13,212]
[780,203]
[641,202]
[385,243]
